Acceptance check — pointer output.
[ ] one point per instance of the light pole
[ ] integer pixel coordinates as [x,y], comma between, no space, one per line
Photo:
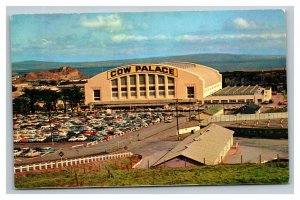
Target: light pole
[177,120]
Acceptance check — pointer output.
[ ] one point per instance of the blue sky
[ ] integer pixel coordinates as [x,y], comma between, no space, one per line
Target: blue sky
[113,36]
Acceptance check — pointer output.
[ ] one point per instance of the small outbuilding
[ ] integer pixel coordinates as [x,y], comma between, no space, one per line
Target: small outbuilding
[207,146]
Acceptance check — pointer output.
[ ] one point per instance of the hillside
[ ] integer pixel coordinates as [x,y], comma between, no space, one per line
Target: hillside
[62,73]
[85,176]
[222,62]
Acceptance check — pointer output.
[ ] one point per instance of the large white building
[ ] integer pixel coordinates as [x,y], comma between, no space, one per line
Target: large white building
[164,82]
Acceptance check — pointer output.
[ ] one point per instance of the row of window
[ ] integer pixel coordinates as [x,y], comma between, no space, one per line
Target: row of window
[142,80]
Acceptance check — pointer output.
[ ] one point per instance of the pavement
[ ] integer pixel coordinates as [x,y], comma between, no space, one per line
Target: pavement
[252,149]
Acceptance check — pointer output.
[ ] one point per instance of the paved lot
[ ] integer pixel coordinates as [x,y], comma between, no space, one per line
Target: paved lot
[251,149]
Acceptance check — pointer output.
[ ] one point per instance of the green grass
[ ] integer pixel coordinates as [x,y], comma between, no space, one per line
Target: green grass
[275,110]
[277,173]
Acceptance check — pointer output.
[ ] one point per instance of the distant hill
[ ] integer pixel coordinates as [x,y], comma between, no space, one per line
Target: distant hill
[62,73]
[221,62]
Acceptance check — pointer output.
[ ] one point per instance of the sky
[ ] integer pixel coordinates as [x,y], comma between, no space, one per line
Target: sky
[116,36]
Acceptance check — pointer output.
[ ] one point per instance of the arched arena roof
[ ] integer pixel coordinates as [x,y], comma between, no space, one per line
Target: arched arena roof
[209,75]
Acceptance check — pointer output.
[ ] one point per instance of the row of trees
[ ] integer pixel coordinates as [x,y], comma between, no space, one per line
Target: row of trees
[27,103]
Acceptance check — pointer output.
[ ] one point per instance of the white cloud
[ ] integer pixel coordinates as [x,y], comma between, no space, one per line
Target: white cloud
[111,23]
[241,23]
[192,38]
[138,38]
[125,38]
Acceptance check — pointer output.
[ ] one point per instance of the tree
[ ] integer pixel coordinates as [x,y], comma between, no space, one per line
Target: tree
[49,97]
[33,96]
[20,105]
[72,95]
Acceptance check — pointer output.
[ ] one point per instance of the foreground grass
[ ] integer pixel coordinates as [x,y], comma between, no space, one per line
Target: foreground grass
[276,173]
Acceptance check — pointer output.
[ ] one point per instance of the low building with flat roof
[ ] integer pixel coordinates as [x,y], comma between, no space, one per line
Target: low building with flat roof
[240,94]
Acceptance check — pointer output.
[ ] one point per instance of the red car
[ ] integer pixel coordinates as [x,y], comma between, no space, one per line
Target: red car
[24,140]
[282,103]
[90,133]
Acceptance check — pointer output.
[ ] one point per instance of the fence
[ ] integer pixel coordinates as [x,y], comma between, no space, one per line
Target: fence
[70,162]
[240,117]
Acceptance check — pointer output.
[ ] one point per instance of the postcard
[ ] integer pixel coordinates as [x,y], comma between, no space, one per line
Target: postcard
[173,98]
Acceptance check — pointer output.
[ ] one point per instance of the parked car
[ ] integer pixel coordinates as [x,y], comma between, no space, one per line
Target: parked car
[23,140]
[72,139]
[32,153]
[95,137]
[282,103]
[40,139]
[17,152]
[169,120]
[81,138]
[45,149]
[32,139]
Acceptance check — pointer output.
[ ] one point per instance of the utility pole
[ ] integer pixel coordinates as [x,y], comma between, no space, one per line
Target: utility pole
[199,111]
[190,110]
[177,121]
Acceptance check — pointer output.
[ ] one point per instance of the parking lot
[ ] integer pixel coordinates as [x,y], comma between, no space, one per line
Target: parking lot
[34,131]
[256,150]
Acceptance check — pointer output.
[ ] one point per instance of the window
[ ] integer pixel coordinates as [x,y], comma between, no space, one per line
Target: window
[114,82]
[114,95]
[114,89]
[161,93]
[142,88]
[161,87]
[133,88]
[132,79]
[123,81]
[152,94]
[171,87]
[123,89]
[190,92]
[142,79]
[151,79]
[152,88]
[97,95]
[161,79]
[170,80]
[142,93]
[171,93]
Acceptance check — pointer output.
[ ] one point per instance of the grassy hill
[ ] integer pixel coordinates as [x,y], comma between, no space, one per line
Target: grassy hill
[222,62]
[276,173]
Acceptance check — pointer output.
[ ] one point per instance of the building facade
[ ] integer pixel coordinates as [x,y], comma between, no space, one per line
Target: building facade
[142,83]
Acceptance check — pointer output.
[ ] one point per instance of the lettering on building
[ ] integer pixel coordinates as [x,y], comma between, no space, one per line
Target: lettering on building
[159,69]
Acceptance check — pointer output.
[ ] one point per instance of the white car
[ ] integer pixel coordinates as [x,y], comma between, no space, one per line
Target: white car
[32,153]
[72,139]
[17,152]
[40,139]
[81,138]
